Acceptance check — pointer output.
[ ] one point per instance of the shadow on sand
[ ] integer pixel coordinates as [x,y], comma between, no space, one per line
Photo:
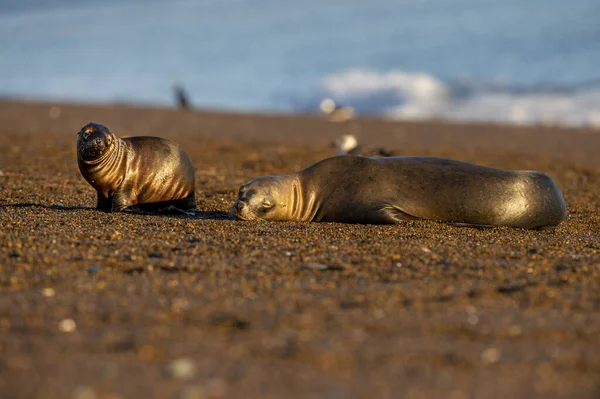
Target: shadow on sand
[202,215]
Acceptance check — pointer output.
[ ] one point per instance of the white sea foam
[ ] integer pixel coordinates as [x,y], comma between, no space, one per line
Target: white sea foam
[414,96]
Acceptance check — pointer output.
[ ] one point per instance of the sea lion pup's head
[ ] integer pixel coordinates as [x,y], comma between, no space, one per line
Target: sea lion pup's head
[94,142]
[264,198]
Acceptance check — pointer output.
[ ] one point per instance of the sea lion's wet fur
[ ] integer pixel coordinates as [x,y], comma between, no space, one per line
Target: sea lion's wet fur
[141,173]
[354,189]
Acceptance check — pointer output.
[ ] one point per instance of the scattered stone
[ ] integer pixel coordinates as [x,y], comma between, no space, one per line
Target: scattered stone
[148,352]
[217,388]
[350,304]
[182,368]
[458,394]
[54,113]
[315,266]
[124,344]
[560,267]
[320,266]
[490,355]
[515,330]
[227,319]
[511,288]
[48,292]
[473,319]
[193,392]
[84,392]
[93,269]
[67,325]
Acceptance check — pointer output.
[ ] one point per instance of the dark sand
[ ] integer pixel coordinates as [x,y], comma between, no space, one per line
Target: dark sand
[208,307]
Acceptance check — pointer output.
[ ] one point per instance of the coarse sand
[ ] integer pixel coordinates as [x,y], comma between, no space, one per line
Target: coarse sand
[116,305]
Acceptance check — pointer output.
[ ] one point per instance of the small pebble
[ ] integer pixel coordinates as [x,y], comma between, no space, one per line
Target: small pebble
[48,292]
[515,330]
[84,392]
[315,266]
[218,388]
[490,355]
[473,319]
[182,368]
[193,392]
[67,325]
[93,269]
[54,113]
[458,394]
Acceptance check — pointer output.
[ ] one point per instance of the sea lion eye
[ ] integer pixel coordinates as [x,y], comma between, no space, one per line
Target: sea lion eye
[86,134]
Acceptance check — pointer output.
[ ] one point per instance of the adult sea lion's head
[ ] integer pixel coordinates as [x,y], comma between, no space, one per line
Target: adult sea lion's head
[94,141]
[264,198]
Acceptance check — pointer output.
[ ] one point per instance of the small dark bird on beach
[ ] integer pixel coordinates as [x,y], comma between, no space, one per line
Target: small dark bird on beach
[181,97]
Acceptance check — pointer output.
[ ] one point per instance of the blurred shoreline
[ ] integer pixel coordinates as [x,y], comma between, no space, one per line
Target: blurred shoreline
[313,130]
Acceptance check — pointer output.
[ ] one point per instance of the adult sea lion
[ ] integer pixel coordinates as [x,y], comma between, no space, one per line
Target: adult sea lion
[355,189]
[135,173]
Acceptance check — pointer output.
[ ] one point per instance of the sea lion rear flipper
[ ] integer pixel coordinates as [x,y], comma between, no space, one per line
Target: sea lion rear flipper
[391,214]
[186,206]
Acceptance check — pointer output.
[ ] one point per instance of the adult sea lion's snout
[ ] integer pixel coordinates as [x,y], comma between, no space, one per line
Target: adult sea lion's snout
[239,209]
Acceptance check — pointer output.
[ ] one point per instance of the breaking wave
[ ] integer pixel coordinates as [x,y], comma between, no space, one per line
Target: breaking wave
[418,96]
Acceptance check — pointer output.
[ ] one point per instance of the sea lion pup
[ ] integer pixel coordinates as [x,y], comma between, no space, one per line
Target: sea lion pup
[355,189]
[347,144]
[135,173]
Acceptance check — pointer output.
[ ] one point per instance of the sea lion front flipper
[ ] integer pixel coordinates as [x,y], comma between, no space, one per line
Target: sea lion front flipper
[121,199]
[104,204]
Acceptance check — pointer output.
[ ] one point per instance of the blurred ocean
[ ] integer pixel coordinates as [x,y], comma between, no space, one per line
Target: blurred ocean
[518,61]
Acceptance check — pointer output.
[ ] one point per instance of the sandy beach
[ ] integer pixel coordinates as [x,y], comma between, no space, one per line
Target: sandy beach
[116,305]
